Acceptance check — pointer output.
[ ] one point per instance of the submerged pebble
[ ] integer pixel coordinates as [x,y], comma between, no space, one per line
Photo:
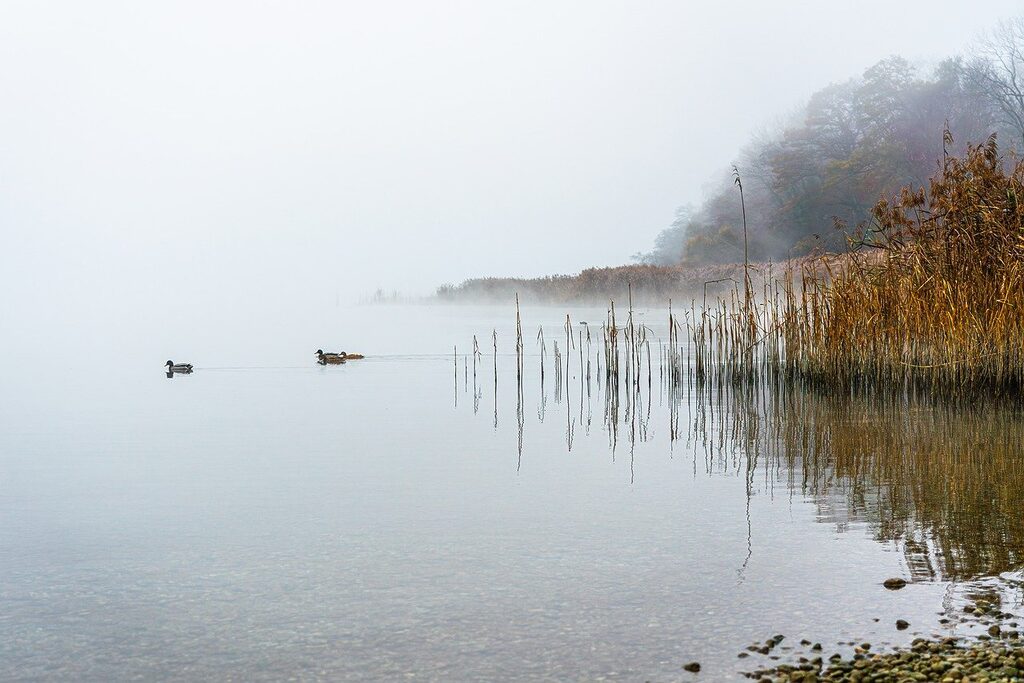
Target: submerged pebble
[926,660]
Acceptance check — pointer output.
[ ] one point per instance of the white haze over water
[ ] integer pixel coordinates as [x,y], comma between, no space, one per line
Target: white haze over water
[217,183]
[186,163]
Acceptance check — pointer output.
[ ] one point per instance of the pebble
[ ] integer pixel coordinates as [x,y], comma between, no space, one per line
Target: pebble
[926,660]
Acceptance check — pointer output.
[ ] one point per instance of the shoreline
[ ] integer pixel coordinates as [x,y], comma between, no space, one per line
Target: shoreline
[648,283]
[948,660]
[991,650]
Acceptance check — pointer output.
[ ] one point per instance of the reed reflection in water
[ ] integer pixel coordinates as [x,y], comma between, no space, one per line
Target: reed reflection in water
[942,481]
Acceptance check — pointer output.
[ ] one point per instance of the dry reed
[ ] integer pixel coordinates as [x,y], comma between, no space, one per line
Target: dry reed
[931,294]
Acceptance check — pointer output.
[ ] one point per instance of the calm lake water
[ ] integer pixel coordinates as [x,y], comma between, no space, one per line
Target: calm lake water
[266,518]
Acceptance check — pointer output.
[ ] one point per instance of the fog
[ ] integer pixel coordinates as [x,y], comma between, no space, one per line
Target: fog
[199,160]
[220,184]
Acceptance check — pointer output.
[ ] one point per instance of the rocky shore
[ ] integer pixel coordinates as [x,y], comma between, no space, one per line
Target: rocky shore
[991,650]
[947,661]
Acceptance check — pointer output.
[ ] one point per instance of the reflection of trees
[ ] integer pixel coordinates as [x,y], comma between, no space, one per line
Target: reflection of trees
[945,482]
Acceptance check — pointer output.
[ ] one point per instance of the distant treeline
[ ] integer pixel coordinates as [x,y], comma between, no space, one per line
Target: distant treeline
[813,181]
[649,284]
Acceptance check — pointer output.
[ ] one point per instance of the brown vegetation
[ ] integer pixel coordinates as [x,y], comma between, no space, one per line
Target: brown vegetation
[933,293]
[649,283]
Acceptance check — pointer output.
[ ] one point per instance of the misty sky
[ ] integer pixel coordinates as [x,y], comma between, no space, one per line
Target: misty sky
[218,153]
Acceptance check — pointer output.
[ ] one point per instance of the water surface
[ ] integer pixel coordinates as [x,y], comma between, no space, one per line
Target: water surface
[266,517]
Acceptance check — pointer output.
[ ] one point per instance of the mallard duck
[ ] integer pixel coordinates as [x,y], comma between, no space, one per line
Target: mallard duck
[329,357]
[184,368]
[325,358]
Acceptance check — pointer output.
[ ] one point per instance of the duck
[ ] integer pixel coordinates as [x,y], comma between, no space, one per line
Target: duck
[184,368]
[332,358]
[323,357]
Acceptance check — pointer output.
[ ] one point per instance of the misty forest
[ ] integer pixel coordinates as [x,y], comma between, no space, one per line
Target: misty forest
[812,181]
[244,434]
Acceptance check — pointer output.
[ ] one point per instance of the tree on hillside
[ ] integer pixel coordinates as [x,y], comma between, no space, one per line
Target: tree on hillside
[668,245]
[997,72]
[852,144]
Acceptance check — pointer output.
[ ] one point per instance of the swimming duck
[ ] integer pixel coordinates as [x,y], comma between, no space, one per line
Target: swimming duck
[329,357]
[184,368]
[325,358]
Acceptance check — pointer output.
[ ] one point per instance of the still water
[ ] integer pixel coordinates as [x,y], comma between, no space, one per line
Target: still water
[267,518]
